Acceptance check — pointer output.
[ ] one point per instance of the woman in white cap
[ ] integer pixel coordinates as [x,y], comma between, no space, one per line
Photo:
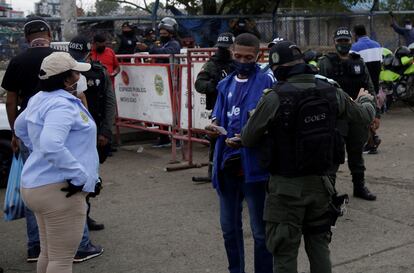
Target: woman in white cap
[63,165]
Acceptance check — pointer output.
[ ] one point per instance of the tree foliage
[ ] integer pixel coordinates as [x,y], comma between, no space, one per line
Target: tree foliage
[104,7]
[397,5]
[213,7]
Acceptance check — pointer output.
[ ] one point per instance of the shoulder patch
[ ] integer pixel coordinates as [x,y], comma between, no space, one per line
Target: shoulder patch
[328,80]
[322,57]
[267,91]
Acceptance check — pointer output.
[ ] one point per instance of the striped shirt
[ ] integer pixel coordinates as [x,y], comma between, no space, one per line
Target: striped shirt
[371,53]
[368,49]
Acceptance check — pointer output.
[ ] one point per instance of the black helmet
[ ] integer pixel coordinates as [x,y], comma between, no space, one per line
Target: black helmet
[402,51]
[310,55]
[168,24]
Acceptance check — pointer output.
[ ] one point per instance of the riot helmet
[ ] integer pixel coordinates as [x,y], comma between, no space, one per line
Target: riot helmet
[169,24]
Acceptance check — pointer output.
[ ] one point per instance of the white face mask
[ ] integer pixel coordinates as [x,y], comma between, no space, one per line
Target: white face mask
[82,85]
[408,26]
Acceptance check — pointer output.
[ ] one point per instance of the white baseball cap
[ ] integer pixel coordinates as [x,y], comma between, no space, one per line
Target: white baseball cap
[59,62]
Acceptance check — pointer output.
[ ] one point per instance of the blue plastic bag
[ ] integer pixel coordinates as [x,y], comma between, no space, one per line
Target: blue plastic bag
[13,203]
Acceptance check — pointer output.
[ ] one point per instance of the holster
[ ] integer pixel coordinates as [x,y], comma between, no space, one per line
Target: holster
[337,207]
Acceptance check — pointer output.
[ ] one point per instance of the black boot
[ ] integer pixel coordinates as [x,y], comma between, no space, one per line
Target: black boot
[204,179]
[360,190]
[93,225]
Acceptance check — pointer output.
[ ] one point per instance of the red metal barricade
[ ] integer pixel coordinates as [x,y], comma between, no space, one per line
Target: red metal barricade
[176,65]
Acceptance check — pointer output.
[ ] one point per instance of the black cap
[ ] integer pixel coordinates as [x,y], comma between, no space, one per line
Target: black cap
[342,33]
[275,41]
[225,39]
[284,52]
[35,24]
[149,31]
[79,47]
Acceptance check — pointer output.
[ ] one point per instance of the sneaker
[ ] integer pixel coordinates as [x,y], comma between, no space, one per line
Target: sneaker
[33,254]
[367,148]
[373,151]
[91,251]
[377,141]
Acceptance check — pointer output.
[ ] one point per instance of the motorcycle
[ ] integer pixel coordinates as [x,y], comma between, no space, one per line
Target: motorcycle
[397,75]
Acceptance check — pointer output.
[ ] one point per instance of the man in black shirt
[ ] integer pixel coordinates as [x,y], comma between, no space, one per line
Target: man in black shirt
[101,102]
[20,81]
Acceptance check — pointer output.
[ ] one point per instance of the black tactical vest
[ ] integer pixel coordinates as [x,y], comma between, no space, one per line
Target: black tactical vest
[303,131]
[221,70]
[95,94]
[350,73]
[127,44]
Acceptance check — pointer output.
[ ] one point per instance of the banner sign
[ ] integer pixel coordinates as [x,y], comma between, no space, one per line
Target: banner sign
[200,114]
[144,93]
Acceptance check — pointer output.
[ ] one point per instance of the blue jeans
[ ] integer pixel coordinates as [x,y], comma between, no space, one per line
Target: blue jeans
[233,190]
[31,224]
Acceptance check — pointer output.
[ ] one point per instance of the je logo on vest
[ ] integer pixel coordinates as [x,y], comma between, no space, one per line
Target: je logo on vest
[235,111]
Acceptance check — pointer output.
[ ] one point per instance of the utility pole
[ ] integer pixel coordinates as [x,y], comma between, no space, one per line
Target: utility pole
[69,18]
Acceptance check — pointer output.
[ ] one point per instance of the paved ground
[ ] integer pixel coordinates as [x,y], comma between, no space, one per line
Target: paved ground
[159,222]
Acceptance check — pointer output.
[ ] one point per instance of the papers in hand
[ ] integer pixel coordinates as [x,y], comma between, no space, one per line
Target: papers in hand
[235,139]
[220,129]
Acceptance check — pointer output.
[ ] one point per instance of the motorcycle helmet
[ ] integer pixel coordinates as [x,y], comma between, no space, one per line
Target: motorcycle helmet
[402,51]
[310,55]
[411,48]
[168,24]
[387,57]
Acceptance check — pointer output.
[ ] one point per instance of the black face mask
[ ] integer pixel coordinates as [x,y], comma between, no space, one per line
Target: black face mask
[100,49]
[165,39]
[343,49]
[223,54]
[244,69]
[128,34]
[281,73]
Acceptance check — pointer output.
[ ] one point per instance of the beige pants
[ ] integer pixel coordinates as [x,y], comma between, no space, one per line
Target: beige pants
[61,222]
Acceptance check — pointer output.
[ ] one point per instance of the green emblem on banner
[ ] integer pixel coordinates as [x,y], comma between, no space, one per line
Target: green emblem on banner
[159,85]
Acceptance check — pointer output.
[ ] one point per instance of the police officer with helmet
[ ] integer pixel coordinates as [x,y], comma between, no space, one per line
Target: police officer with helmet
[168,28]
[294,123]
[100,98]
[351,73]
